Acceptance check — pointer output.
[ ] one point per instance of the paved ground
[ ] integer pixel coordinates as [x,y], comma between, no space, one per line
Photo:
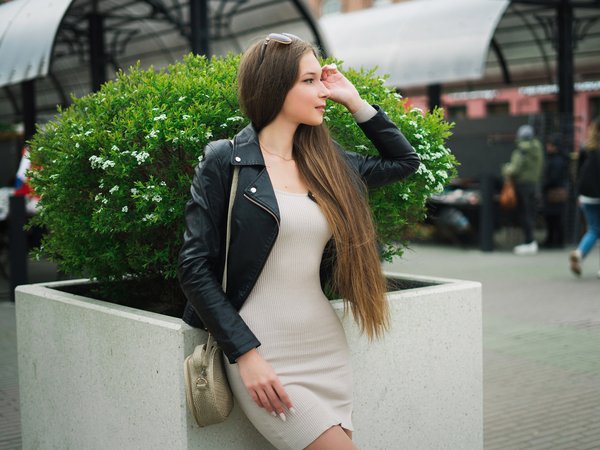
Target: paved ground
[541,350]
[541,346]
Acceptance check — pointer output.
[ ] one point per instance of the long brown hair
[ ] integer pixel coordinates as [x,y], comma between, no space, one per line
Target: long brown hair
[266,74]
[593,138]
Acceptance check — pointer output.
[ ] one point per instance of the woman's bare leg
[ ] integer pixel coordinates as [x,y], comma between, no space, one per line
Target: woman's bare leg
[335,437]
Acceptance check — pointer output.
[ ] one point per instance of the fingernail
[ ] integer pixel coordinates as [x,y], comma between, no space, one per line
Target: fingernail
[273,413]
[333,66]
[282,416]
[293,410]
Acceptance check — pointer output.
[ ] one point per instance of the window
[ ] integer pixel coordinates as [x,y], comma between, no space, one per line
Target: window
[498,109]
[456,112]
[549,106]
[331,7]
[594,107]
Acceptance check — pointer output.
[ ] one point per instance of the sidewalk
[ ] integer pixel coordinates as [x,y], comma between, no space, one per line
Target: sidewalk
[541,347]
[541,344]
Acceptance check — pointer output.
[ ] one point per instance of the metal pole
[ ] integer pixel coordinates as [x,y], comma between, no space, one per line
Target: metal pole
[434,95]
[97,50]
[17,239]
[486,214]
[566,92]
[200,27]
[28,96]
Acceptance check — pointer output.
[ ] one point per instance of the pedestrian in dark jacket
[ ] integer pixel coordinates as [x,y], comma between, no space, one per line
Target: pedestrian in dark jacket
[588,184]
[554,191]
[300,216]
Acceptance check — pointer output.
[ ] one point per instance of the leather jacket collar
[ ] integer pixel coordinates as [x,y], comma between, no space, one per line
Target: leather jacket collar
[246,148]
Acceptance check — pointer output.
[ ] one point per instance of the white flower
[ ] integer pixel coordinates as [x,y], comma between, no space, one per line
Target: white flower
[162,183]
[114,189]
[124,209]
[154,109]
[77,145]
[108,163]
[141,157]
[88,132]
[104,201]
[181,98]
[235,119]
[361,147]
[148,217]
[200,158]
[114,148]
[442,173]
[95,161]
[152,134]
[161,117]
[185,117]
[134,191]
[208,135]
[157,198]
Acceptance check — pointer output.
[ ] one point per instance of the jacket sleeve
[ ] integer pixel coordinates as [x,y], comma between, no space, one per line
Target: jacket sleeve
[200,265]
[514,168]
[397,158]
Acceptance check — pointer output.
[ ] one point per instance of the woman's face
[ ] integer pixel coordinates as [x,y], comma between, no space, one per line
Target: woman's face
[305,102]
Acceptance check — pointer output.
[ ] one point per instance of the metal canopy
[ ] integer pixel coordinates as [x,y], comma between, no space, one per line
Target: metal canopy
[155,32]
[27,32]
[417,42]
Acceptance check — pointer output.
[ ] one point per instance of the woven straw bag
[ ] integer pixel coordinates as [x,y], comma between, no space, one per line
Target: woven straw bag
[207,390]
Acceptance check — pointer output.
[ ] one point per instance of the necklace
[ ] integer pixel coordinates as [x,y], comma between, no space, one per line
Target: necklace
[262,146]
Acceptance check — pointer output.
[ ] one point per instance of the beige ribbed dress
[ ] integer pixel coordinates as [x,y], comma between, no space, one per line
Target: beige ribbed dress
[300,334]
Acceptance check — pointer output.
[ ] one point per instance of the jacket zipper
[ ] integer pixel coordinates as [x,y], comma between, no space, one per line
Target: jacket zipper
[266,209]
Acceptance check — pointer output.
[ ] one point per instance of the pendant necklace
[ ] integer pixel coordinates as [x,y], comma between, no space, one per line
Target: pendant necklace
[262,146]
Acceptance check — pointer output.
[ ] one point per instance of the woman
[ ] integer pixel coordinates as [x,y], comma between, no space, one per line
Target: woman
[300,221]
[589,196]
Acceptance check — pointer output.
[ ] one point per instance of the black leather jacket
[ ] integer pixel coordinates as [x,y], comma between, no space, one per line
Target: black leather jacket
[254,225]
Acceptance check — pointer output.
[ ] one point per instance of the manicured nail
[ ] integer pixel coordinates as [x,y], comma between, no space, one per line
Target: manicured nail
[282,416]
[273,413]
[293,410]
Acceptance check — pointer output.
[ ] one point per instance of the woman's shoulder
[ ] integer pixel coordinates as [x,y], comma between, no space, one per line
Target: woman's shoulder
[218,152]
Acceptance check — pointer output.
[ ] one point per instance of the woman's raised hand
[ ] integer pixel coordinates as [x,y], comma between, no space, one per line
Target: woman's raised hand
[341,90]
[263,385]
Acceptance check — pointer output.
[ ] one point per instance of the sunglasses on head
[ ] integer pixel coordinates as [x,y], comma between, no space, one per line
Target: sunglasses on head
[282,38]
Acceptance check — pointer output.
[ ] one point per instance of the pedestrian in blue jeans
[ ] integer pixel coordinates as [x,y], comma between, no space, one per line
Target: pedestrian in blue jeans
[589,196]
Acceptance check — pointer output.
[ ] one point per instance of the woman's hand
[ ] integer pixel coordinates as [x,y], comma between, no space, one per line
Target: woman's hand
[340,89]
[263,385]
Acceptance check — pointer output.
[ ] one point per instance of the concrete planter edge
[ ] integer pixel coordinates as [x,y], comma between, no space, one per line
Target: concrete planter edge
[94,374]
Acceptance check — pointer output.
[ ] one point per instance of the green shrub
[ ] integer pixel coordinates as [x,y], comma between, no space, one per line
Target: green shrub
[115,168]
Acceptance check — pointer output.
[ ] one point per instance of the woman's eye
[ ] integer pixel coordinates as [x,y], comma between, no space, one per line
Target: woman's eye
[309,80]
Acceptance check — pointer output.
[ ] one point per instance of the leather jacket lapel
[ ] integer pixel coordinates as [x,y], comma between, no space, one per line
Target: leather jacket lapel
[257,188]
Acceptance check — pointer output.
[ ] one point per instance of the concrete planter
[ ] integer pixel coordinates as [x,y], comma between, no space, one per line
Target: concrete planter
[97,375]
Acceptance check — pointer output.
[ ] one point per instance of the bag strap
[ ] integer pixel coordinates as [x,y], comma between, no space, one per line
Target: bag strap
[232,192]
[234,182]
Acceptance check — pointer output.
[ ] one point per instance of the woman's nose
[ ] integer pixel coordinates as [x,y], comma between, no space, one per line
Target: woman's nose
[324,93]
